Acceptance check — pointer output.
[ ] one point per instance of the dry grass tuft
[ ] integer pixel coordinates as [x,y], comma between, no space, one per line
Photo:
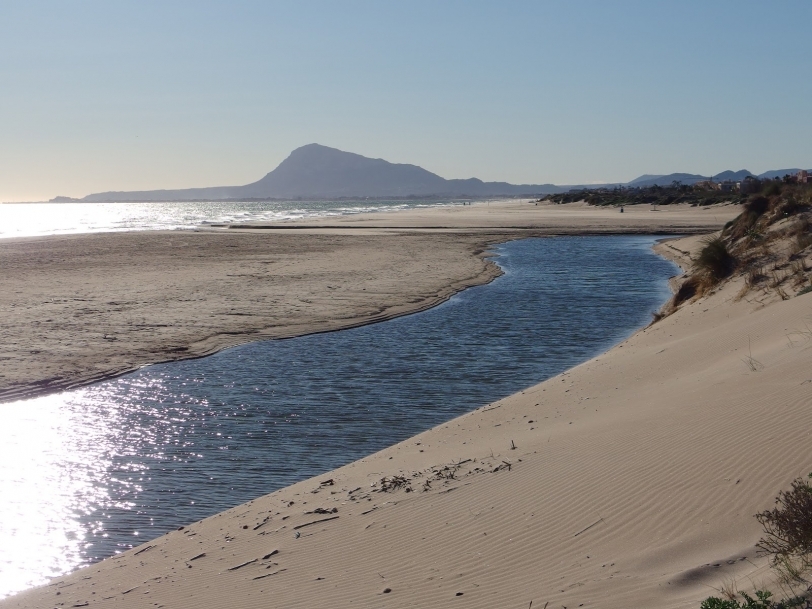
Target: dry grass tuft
[754,276]
[687,291]
[715,260]
[798,270]
[776,279]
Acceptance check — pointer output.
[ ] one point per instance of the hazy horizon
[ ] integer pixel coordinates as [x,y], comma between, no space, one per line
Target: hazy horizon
[145,96]
[298,177]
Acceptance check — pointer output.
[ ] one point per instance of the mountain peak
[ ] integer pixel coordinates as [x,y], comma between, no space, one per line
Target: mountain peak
[311,149]
[315,171]
[316,156]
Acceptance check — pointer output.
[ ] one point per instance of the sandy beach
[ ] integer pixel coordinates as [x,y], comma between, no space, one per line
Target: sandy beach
[628,481]
[81,308]
[389,305]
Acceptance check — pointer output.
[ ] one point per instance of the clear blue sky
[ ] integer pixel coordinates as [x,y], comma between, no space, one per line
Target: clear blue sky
[98,95]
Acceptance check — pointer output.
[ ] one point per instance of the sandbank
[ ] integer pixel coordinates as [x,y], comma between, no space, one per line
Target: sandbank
[81,308]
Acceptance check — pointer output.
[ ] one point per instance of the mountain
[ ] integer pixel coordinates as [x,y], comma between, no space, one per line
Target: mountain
[666,180]
[778,173]
[319,172]
[316,171]
[646,177]
[733,176]
[691,178]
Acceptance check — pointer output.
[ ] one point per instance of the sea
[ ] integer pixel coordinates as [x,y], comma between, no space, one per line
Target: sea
[39,219]
[92,472]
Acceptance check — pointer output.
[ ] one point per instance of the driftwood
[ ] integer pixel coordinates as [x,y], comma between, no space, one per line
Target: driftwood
[307,524]
[589,527]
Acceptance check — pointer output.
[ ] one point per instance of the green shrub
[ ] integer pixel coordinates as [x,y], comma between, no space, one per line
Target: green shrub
[772,188]
[715,260]
[790,206]
[763,600]
[757,205]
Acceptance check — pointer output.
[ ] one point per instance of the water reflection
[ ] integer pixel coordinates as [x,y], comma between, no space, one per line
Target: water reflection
[25,220]
[53,472]
[88,473]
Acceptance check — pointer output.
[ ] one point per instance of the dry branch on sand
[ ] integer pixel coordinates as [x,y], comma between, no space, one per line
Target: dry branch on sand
[787,536]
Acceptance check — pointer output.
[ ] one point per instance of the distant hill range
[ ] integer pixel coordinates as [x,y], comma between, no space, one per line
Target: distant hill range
[319,172]
[692,178]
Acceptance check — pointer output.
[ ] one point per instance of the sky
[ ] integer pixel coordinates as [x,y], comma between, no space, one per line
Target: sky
[130,95]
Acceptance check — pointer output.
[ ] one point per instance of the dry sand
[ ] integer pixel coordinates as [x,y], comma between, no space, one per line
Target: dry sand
[633,483]
[573,218]
[80,308]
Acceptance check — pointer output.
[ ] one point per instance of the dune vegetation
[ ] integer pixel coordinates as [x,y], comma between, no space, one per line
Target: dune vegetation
[769,244]
[787,541]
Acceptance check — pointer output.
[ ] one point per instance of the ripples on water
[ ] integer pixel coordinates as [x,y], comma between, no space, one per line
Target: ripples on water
[25,220]
[89,473]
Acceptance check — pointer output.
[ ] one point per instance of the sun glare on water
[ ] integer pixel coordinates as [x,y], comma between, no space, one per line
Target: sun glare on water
[51,463]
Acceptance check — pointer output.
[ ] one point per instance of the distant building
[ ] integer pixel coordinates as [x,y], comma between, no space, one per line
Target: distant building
[728,186]
[803,177]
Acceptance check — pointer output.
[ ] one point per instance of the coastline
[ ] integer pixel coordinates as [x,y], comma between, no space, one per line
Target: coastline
[629,480]
[370,302]
[92,307]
